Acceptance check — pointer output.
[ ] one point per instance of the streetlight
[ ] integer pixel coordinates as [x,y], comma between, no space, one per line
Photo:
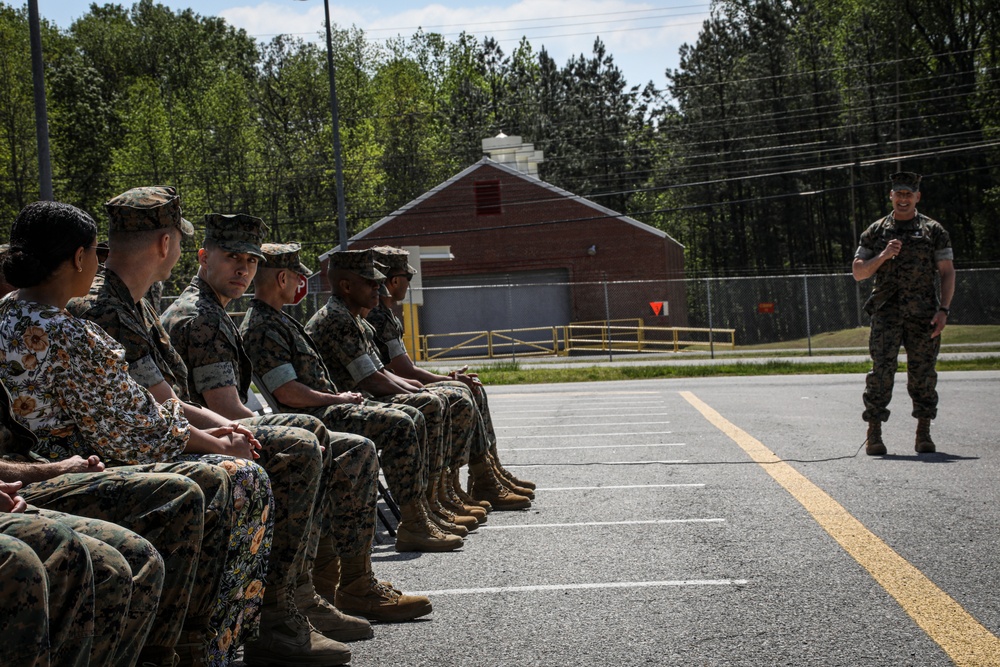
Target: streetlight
[338,163]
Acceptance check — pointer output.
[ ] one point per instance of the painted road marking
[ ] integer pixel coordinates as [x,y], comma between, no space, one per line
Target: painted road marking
[553,449]
[592,463]
[627,423]
[491,526]
[629,486]
[962,637]
[586,435]
[568,413]
[581,587]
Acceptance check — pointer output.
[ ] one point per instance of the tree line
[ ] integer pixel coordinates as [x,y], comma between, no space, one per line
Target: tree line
[767,152]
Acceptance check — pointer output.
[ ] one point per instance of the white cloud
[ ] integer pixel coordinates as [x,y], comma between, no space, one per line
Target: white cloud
[643,38]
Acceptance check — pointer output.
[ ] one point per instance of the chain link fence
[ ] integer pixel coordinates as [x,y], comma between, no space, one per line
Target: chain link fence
[510,319]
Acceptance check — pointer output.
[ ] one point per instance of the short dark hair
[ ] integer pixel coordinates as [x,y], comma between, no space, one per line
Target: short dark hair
[44,235]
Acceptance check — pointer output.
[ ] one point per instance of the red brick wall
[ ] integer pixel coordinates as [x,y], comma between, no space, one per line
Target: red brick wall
[539,229]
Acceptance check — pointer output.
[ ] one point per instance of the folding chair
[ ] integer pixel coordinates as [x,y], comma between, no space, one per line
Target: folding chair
[269,399]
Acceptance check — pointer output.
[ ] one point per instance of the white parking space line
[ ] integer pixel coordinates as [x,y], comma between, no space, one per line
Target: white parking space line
[648,522]
[567,413]
[627,423]
[587,435]
[496,398]
[553,449]
[595,463]
[582,587]
[628,486]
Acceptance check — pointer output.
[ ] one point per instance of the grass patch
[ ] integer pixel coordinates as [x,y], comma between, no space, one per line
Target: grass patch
[496,373]
[954,334]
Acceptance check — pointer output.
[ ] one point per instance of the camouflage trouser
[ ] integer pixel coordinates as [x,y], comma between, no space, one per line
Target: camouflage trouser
[111,614]
[161,503]
[488,433]
[291,455]
[44,569]
[435,412]
[889,330]
[347,496]
[397,438]
[464,431]
[138,617]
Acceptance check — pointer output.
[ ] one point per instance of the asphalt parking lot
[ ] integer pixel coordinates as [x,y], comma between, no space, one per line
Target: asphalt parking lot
[720,521]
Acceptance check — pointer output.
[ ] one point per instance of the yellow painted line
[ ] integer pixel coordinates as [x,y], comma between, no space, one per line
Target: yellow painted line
[961,636]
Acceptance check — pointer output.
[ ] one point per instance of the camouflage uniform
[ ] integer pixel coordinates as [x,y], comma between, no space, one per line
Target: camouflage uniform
[168,508]
[55,583]
[282,351]
[340,339]
[208,341]
[904,299]
[151,359]
[468,430]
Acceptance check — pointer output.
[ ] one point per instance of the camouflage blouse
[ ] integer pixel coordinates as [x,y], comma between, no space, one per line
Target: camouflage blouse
[281,350]
[70,385]
[340,338]
[388,332]
[136,326]
[208,342]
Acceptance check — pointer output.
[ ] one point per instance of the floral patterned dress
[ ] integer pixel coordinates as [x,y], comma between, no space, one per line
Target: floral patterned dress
[70,385]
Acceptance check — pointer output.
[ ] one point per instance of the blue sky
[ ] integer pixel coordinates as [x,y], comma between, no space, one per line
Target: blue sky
[643,37]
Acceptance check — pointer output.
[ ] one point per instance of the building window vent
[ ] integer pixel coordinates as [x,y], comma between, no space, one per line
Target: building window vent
[487,197]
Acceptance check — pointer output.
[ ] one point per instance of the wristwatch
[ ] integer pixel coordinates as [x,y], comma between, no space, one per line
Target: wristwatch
[946,311]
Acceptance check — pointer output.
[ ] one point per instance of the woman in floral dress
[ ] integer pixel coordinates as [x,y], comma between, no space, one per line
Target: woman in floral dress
[70,385]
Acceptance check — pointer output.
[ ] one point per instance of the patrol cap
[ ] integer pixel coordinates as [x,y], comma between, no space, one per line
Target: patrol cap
[236,232]
[147,208]
[906,180]
[361,262]
[394,259]
[284,256]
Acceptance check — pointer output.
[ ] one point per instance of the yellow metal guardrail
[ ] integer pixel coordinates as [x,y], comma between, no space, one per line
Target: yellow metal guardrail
[629,335]
[490,344]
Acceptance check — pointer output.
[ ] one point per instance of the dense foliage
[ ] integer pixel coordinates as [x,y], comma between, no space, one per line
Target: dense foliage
[768,152]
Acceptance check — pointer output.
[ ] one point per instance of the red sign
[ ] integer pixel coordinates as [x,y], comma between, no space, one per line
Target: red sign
[657,307]
[766,307]
[302,289]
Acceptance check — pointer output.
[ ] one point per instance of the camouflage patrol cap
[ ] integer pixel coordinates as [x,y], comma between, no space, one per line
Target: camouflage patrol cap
[237,232]
[285,256]
[394,259]
[361,262]
[147,208]
[906,180]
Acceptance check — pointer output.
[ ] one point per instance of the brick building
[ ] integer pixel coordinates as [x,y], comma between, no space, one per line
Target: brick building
[538,255]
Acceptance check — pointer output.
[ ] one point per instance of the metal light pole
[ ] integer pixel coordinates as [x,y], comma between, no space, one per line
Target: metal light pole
[338,163]
[41,115]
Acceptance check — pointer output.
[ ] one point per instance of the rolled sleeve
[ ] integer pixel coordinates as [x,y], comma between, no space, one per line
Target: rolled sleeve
[863,253]
[145,372]
[361,367]
[283,374]
[395,348]
[213,376]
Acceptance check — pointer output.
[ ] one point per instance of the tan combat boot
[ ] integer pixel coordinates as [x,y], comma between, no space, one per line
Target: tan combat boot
[314,598]
[464,496]
[287,638]
[461,517]
[483,485]
[522,483]
[416,532]
[503,479]
[874,445]
[924,444]
[361,594]
[442,517]
[448,482]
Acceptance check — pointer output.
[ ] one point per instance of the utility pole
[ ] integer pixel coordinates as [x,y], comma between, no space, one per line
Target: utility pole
[338,162]
[41,115]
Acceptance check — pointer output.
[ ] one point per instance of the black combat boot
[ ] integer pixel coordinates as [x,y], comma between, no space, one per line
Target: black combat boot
[924,444]
[874,445]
